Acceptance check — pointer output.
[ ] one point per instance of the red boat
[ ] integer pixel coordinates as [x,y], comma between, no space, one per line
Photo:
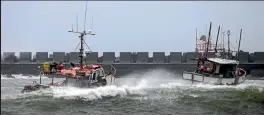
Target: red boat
[81,75]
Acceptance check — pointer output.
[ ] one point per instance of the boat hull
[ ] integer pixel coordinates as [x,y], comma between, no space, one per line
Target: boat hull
[195,77]
[85,83]
[108,80]
[31,88]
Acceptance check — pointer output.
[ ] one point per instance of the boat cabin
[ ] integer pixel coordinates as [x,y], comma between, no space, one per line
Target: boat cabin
[219,67]
[93,75]
[91,72]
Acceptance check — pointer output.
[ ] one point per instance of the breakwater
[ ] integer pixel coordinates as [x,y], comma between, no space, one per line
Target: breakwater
[126,63]
[124,69]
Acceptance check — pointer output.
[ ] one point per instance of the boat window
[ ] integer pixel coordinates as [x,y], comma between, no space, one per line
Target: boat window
[207,63]
[97,74]
[226,68]
[101,72]
[217,69]
[93,75]
[211,65]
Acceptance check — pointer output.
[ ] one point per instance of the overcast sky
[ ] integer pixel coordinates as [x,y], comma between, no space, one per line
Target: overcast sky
[128,26]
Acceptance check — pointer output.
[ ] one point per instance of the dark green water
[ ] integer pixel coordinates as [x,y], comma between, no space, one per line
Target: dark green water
[134,97]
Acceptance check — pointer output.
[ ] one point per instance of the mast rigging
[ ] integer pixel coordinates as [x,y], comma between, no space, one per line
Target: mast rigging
[82,34]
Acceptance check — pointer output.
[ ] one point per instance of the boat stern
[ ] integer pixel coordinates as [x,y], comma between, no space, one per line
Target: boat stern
[195,77]
[110,80]
[187,75]
[241,78]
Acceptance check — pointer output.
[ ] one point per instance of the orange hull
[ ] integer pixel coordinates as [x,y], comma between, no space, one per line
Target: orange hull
[72,72]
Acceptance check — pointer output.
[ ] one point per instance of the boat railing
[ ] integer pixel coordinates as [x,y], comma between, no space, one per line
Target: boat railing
[190,68]
[187,69]
[203,75]
[113,72]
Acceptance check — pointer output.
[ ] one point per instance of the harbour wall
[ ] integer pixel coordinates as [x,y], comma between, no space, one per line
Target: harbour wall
[126,63]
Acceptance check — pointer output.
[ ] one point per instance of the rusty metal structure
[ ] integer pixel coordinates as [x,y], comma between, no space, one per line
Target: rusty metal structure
[204,41]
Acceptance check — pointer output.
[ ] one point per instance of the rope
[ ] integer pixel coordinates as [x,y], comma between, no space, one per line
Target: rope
[77,47]
[74,51]
[87,46]
[232,46]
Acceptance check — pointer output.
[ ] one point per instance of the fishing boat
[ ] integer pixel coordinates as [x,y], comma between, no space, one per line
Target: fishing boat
[221,71]
[81,75]
[85,76]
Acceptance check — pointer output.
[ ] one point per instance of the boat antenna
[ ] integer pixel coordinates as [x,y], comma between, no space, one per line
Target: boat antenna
[217,39]
[239,45]
[209,35]
[85,15]
[76,21]
[228,44]
[72,27]
[196,50]
[223,38]
[82,34]
[92,23]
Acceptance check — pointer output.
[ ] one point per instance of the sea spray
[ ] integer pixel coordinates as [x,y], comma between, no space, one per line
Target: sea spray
[153,84]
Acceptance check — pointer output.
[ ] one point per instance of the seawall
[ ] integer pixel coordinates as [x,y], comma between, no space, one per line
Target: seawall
[122,69]
[126,63]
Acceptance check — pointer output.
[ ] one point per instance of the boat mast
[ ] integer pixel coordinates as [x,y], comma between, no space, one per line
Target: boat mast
[196,50]
[77,22]
[238,49]
[223,38]
[209,35]
[81,49]
[217,39]
[228,43]
[82,34]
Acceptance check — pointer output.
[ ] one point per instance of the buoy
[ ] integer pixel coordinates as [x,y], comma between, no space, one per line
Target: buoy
[201,67]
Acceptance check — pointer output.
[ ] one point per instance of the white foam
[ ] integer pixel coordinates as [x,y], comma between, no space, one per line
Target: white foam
[20,76]
[99,92]
[91,94]
[248,83]
[151,80]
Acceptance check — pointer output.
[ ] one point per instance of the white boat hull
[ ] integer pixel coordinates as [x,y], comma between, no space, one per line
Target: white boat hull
[195,77]
[110,80]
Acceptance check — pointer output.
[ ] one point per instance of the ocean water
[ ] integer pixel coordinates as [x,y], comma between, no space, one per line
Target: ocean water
[156,92]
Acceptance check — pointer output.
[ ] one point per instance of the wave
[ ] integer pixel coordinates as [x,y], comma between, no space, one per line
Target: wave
[20,76]
[152,84]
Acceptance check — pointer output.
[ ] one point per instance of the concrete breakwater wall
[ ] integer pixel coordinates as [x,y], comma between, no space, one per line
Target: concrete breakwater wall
[124,69]
[126,63]
[125,57]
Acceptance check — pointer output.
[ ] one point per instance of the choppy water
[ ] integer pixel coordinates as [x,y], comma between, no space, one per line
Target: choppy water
[156,93]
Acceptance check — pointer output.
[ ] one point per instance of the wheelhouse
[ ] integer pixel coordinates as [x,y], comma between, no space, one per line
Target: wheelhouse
[94,74]
[221,67]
